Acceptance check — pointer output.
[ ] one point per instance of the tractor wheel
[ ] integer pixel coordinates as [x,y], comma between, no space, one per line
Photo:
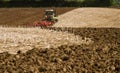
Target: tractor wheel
[56,20]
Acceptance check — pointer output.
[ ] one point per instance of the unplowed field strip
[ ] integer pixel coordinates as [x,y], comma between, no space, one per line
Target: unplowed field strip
[24,39]
[90,17]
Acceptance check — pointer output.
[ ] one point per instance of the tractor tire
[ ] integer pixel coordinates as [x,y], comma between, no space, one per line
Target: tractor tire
[56,20]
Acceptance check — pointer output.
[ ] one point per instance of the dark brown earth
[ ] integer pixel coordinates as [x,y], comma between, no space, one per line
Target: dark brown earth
[101,56]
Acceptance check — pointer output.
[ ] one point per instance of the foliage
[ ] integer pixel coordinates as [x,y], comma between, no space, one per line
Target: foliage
[54,3]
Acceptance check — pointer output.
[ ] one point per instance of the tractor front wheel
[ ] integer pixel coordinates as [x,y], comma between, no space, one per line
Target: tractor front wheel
[56,20]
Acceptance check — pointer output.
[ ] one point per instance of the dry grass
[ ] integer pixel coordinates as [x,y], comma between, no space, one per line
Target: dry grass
[15,39]
[90,17]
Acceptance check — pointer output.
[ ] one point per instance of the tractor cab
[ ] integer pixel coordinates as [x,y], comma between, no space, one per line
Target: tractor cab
[50,12]
[50,15]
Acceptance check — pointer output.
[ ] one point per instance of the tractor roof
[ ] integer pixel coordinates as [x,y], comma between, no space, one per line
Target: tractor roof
[49,10]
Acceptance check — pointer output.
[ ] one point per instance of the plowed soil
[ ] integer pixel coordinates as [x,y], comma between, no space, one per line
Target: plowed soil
[101,55]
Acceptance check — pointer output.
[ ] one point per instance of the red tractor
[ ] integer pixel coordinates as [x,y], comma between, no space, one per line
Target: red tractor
[48,19]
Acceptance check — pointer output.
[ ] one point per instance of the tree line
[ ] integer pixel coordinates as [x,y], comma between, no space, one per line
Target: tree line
[57,3]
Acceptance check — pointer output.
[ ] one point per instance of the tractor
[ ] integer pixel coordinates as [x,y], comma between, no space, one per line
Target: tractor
[49,19]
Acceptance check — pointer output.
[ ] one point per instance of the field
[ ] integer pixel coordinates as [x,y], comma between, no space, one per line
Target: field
[90,17]
[24,16]
[88,43]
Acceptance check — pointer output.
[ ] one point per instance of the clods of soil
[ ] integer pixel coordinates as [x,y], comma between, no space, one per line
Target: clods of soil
[101,56]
